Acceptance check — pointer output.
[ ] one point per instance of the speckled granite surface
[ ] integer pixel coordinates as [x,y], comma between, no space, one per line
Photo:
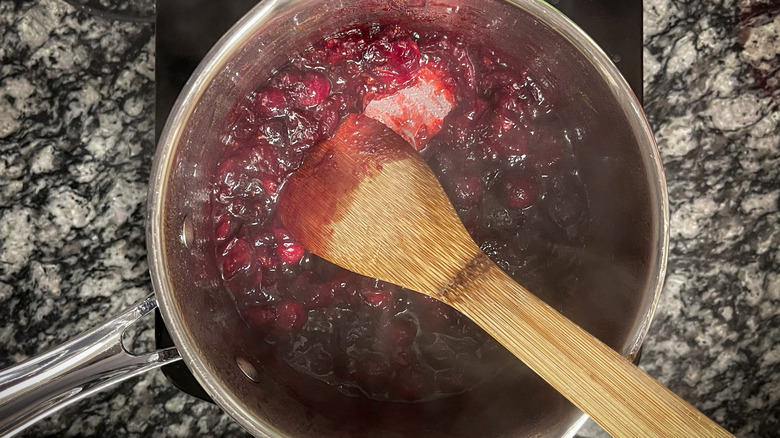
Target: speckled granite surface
[76,140]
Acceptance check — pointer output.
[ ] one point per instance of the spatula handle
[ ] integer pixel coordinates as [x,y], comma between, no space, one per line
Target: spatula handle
[621,398]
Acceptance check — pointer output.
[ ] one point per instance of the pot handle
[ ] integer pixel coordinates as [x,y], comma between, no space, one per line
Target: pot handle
[76,369]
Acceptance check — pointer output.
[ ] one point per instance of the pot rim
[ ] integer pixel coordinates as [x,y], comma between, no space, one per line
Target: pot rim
[216,60]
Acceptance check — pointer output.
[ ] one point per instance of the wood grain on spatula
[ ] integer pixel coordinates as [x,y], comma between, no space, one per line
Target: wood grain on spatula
[366,201]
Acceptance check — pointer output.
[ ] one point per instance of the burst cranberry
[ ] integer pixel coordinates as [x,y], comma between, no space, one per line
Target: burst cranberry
[262,317]
[270,102]
[327,114]
[394,59]
[236,257]
[226,228]
[270,187]
[302,130]
[290,316]
[349,47]
[311,90]
[230,176]
[274,132]
[501,79]
[520,190]
[242,120]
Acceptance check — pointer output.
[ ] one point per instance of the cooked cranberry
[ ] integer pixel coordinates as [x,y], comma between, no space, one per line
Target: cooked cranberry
[288,78]
[520,190]
[246,286]
[226,228]
[270,187]
[501,79]
[328,113]
[290,252]
[290,316]
[302,130]
[507,102]
[349,47]
[236,257]
[274,132]
[394,59]
[378,298]
[310,90]
[262,317]
[288,249]
[270,102]
[466,190]
[242,120]
[401,331]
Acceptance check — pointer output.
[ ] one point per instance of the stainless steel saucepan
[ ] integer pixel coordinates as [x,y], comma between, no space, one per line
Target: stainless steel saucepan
[627,245]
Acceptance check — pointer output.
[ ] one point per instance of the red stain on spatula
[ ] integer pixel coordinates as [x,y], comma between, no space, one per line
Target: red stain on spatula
[417,111]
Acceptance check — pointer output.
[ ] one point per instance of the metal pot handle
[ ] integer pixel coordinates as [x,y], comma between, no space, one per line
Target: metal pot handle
[76,369]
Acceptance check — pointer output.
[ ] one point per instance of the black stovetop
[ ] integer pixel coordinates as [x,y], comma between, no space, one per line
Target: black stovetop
[186,30]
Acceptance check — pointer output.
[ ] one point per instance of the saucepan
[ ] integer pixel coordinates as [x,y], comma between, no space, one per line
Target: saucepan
[626,249]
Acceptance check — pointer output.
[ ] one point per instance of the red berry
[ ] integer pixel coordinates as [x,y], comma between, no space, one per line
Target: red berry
[290,316]
[401,331]
[311,90]
[290,252]
[241,120]
[377,298]
[225,228]
[302,130]
[466,190]
[287,248]
[348,47]
[236,257]
[394,59]
[270,102]
[520,190]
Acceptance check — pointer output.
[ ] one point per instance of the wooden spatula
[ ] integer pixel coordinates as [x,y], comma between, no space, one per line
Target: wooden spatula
[366,201]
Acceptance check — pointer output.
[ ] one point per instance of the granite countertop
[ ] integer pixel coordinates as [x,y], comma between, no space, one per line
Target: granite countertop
[77,137]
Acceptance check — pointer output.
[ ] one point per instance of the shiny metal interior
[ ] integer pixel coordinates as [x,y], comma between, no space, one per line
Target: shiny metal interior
[621,168]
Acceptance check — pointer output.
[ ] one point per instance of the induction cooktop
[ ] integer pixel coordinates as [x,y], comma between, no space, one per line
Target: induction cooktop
[186,30]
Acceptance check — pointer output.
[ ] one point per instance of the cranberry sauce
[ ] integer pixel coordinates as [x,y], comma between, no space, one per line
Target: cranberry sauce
[499,154]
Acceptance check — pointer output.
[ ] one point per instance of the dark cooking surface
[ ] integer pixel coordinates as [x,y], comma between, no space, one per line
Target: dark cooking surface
[186,30]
